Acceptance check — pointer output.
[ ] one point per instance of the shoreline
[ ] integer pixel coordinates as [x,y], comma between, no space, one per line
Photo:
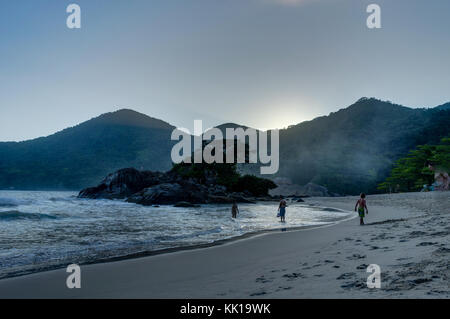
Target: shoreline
[405,234]
[172,250]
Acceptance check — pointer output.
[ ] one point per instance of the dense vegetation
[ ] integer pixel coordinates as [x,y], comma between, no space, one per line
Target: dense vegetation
[349,151]
[412,172]
[225,174]
[82,155]
[354,149]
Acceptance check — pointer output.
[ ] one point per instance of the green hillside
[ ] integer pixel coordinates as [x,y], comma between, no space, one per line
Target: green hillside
[81,156]
[348,151]
[352,150]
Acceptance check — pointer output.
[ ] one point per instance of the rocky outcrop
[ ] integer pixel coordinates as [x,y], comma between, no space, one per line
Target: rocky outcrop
[315,190]
[160,194]
[155,188]
[170,193]
[288,189]
[123,183]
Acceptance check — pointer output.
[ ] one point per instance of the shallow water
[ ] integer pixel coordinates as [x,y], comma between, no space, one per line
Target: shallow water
[40,230]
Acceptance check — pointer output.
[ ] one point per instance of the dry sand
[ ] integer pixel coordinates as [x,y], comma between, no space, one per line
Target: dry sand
[407,235]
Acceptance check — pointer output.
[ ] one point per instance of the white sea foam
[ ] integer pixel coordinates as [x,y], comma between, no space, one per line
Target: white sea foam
[42,229]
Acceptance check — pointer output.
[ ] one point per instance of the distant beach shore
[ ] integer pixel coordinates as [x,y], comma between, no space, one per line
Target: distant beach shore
[406,235]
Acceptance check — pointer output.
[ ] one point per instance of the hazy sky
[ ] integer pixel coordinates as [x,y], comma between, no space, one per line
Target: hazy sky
[262,63]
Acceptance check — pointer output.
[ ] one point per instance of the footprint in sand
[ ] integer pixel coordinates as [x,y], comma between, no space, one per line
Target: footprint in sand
[404,258]
[260,293]
[263,280]
[426,243]
[355,284]
[419,281]
[415,234]
[347,275]
[363,266]
[293,276]
[284,288]
[440,234]
[442,251]
[356,257]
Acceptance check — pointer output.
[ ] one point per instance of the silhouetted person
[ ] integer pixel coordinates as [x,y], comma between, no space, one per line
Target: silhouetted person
[234,210]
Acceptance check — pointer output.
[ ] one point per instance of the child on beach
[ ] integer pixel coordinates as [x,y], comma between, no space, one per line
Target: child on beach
[282,210]
[362,208]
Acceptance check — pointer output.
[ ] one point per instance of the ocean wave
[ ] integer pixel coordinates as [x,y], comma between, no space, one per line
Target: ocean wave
[16,215]
[62,199]
[9,202]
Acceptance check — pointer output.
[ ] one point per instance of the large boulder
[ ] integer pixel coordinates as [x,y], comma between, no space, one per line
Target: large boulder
[285,188]
[315,190]
[122,184]
[166,194]
[288,189]
[155,188]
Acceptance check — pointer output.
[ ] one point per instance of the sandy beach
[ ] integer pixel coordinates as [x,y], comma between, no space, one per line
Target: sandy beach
[407,235]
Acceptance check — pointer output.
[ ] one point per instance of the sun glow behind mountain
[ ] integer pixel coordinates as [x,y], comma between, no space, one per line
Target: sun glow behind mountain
[282,114]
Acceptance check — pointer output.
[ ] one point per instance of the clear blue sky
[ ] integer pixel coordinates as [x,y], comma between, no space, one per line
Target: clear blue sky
[262,63]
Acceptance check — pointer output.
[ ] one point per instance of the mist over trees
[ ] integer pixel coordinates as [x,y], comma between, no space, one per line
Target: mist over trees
[354,149]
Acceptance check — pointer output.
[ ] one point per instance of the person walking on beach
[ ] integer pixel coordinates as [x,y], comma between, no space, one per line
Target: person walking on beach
[234,210]
[362,208]
[282,210]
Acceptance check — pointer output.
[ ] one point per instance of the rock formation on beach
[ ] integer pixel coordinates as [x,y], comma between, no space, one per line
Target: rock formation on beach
[178,187]
[288,189]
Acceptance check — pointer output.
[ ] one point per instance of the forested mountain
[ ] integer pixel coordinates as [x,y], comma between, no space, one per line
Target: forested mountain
[352,150]
[80,156]
[348,151]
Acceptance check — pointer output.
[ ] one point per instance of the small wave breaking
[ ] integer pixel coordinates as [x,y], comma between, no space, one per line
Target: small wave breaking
[17,215]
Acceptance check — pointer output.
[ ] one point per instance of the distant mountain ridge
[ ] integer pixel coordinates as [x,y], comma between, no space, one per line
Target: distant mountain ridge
[130,117]
[443,107]
[81,155]
[348,151]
